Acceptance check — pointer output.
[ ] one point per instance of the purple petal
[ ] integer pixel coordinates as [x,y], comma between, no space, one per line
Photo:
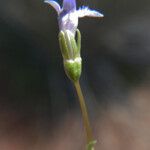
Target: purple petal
[69,5]
[54,4]
[85,11]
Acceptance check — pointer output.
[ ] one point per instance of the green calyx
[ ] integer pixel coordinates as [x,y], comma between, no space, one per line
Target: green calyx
[73,68]
[70,49]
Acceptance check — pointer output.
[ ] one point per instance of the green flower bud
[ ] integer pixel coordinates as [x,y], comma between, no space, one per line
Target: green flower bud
[70,50]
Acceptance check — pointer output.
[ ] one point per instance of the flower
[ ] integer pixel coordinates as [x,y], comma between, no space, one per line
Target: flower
[68,14]
[70,45]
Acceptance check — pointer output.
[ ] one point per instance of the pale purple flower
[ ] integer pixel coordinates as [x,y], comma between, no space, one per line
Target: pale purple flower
[68,14]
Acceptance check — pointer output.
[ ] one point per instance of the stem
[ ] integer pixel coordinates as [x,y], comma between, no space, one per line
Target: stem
[85,117]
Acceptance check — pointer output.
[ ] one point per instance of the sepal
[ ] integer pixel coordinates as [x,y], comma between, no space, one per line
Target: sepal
[73,68]
[70,49]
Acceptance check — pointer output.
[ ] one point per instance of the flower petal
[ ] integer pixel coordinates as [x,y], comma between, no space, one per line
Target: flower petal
[54,4]
[85,11]
[69,5]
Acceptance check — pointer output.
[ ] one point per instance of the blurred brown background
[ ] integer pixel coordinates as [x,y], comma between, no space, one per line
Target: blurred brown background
[38,105]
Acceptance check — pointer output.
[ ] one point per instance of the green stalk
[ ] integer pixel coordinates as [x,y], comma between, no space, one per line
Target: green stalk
[86,123]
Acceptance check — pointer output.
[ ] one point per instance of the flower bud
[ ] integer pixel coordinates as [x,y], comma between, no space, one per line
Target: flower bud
[70,50]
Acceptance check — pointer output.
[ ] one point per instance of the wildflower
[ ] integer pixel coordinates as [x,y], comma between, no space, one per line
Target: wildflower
[68,14]
[70,47]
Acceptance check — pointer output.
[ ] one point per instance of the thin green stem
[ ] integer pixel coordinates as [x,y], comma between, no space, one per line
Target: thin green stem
[86,122]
